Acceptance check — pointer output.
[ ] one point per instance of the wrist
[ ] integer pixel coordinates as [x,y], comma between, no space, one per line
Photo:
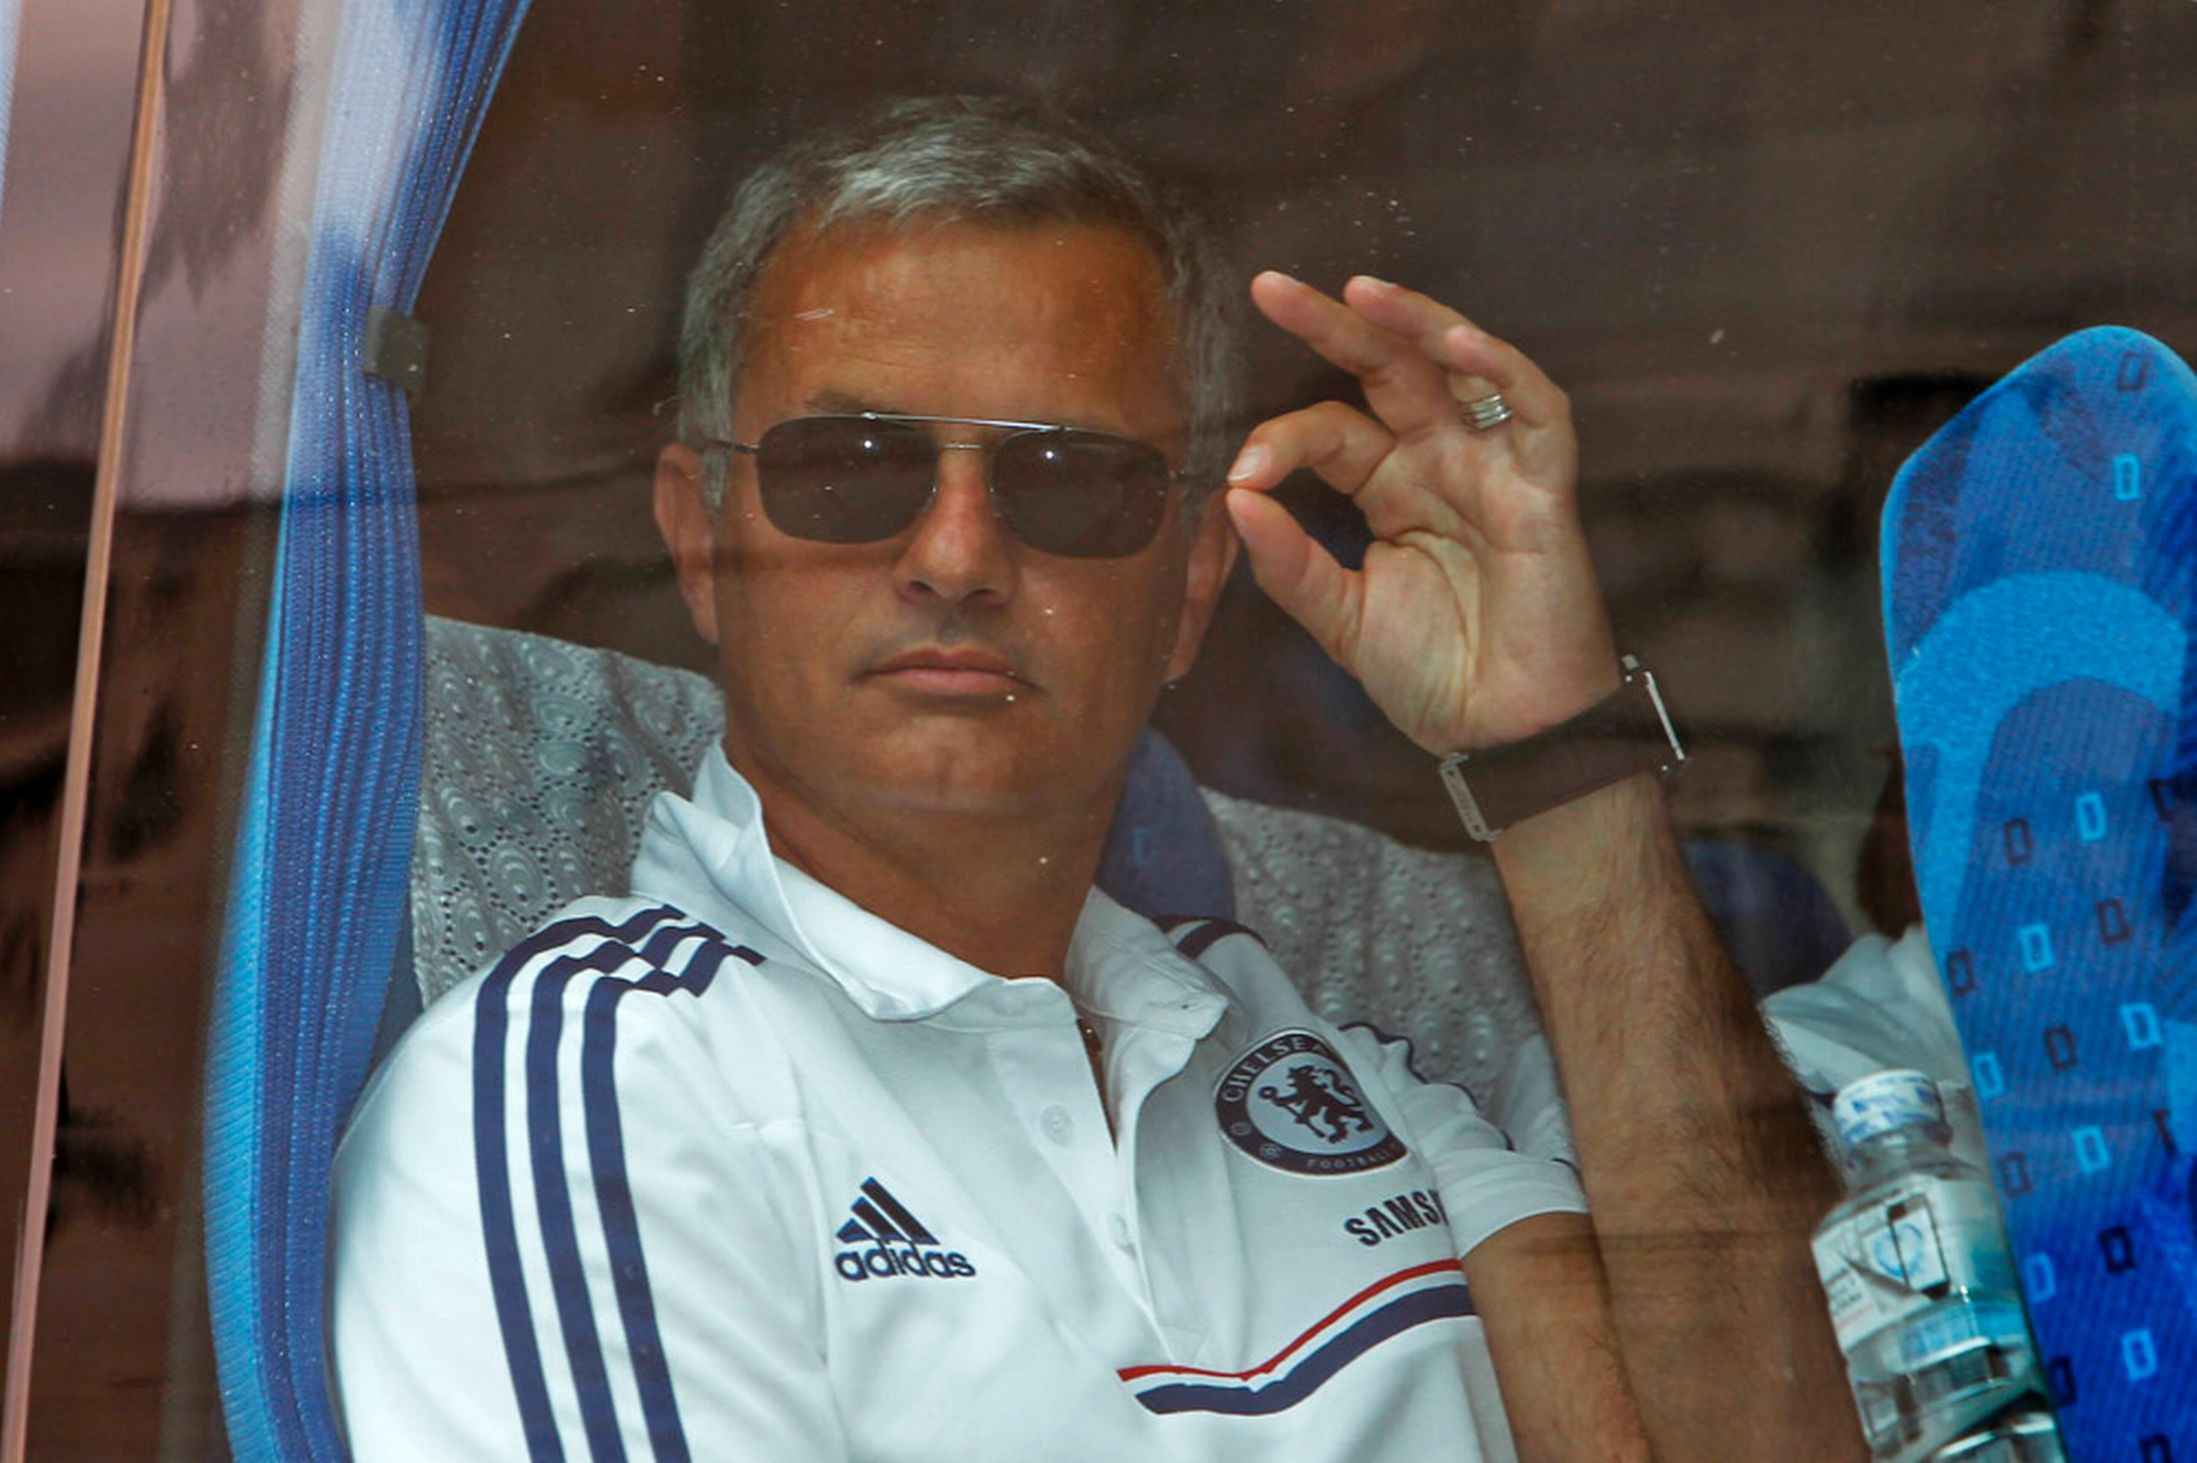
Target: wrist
[1576,854]
[1578,695]
[1616,736]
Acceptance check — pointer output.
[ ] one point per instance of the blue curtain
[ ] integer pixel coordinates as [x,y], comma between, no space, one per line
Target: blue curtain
[316,912]
[11,19]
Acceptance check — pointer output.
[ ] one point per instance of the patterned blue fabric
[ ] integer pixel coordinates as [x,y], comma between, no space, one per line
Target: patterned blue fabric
[11,16]
[315,920]
[2038,581]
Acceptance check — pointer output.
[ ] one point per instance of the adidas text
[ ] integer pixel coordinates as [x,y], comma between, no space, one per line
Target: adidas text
[885,1261]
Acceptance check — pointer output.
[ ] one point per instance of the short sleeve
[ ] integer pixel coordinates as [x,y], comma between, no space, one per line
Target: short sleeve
[549,1237]
[1486,1183]
[1528,1103]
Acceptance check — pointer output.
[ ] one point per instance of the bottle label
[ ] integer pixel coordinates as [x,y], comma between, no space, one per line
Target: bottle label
[1902,1251]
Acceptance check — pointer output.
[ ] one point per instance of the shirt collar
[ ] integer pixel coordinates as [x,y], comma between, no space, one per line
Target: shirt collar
[714,842]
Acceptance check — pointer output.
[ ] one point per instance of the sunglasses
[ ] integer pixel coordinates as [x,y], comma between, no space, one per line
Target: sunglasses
[865,477]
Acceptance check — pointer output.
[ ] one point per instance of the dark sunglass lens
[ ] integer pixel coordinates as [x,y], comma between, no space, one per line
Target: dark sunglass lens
[844,480]
[1086,495]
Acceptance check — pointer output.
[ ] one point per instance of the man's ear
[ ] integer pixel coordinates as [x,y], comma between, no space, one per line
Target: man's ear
[689,528]
[1212,553]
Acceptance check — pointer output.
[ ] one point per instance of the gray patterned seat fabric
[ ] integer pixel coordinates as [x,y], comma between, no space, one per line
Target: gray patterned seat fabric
[1412,943]
[542,758]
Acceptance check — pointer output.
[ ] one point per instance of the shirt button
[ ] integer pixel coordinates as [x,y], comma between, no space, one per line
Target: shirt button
[1117,1229]
[1059,1126]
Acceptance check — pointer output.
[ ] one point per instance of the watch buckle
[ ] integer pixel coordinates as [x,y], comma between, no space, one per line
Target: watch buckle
[1460,793]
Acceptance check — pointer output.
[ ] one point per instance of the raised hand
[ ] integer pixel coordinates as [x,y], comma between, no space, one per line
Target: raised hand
[1477,618]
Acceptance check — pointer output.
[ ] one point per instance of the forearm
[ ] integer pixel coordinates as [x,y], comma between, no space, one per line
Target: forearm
[1475,621]
[1542,1296]
[1701,1166]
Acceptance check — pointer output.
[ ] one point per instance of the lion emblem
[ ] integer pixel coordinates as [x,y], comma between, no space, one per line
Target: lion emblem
[1322,1101]
[1290,1102]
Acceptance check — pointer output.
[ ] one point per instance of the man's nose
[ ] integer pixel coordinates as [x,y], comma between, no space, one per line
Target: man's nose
[959,551]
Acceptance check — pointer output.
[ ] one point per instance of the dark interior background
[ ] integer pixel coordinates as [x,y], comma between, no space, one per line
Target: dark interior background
[1767,250]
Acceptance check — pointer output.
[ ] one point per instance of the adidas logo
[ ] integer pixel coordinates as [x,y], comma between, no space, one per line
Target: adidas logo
[886,1240]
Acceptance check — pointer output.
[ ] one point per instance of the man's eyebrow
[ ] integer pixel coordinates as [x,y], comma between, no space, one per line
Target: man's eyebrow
[835,402]
[832,401]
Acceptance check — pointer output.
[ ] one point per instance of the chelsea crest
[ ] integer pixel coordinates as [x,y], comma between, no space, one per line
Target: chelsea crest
[1291,1103]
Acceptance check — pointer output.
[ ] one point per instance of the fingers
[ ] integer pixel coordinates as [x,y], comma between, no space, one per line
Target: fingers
[1403,385]
[1417,357]
[1419,361]
[1296,572]
[1342,445]
[1476,362]
[1345,448]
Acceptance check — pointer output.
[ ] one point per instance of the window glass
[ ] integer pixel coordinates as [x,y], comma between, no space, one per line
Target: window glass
[67,95]
[196,254]
[1767,256]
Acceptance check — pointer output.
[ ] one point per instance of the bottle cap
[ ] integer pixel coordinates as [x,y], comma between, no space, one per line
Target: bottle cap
[1883,1101]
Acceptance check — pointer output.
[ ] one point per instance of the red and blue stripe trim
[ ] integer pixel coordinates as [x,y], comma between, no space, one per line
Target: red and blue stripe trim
[1387,1308]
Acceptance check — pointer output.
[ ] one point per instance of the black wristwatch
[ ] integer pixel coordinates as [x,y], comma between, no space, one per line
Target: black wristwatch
[1627,731]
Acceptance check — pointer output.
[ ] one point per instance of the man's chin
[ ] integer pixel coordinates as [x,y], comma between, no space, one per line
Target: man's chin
[980,776]
[973,793]
[963,768]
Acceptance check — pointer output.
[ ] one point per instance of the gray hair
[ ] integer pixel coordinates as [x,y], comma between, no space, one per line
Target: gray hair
[975,159]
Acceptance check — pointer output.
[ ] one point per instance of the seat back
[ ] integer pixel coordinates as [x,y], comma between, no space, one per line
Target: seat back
[539,762]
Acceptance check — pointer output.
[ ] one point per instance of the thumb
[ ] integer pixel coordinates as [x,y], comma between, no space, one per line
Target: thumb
[1296,573]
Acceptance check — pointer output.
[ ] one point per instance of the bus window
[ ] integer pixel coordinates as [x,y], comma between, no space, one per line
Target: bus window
[1765,259]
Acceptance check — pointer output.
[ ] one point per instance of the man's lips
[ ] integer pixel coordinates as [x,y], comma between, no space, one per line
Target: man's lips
[941,672]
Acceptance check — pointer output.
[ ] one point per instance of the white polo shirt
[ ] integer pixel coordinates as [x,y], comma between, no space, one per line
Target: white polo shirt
[734,1169]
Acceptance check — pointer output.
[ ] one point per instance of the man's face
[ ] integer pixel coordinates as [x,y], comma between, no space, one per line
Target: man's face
[950,669]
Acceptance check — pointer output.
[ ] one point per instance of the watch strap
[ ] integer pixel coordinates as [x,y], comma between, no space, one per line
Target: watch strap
[1627,732]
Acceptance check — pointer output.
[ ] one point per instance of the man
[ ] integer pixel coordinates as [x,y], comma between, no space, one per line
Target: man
[866,1128]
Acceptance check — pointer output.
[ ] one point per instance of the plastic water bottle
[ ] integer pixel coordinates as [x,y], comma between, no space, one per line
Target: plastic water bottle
[1920,1284]
[2027,1436]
